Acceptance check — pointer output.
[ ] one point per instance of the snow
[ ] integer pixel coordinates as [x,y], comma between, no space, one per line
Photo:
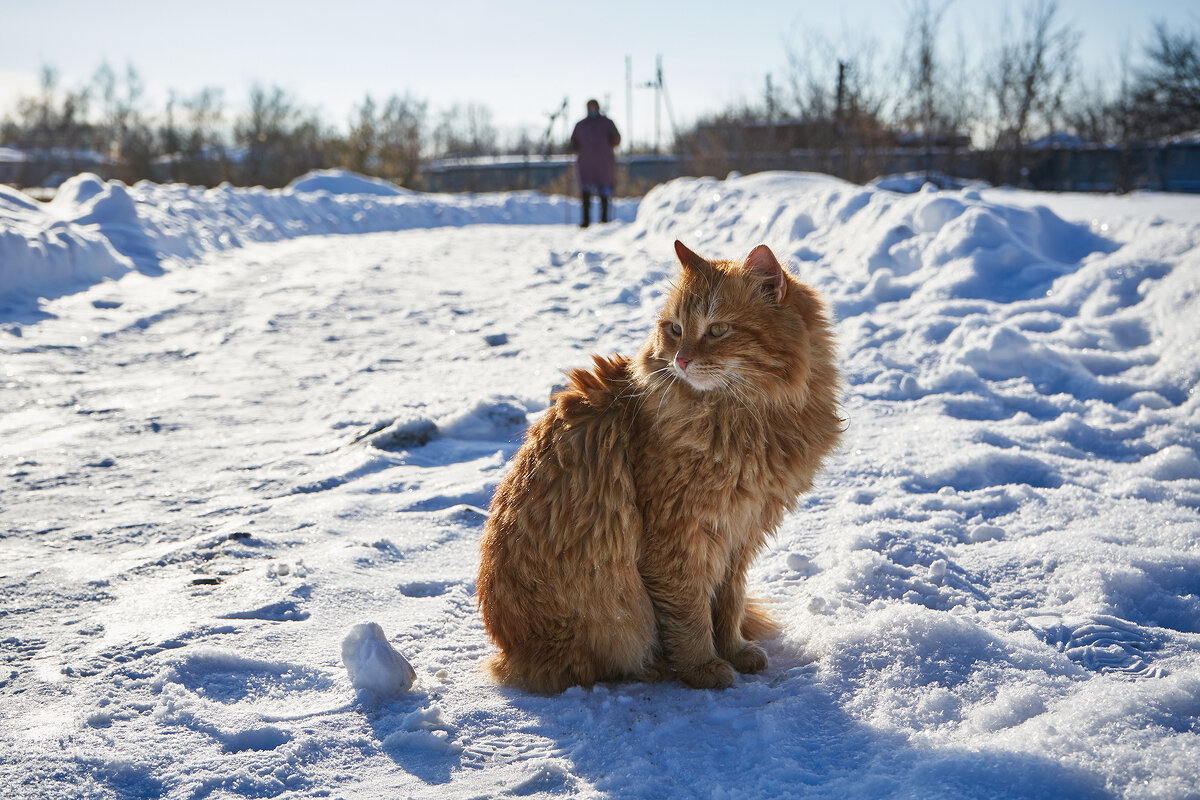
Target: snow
[376,668]
[240,424]
[95,230]
[339,181]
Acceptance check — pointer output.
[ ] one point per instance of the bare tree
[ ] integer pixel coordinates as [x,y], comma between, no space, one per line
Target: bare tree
[465,130]
[119,104]
[387,143]
[199,154]
[839,97]
[205,119]
[361,144]
[124,137]
[53,125]
[1166,90]
[279,139]
[402,139]
[926,109]
[1030,74]
[827,80]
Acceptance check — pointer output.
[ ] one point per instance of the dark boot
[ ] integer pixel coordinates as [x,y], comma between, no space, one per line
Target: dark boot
[604,208]
[587,210]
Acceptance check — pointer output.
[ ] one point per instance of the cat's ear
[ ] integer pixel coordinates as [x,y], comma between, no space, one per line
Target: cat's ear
[762,264]
[690,260]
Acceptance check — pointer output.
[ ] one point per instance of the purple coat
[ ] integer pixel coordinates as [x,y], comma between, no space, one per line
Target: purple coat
[594,139]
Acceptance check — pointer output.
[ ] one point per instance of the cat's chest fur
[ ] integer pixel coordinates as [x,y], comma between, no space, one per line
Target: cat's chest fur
[728,472]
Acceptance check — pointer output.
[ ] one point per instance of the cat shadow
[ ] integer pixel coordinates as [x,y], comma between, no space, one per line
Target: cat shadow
[778,734]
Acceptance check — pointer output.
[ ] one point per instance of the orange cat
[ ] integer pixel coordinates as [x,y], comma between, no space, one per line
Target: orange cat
[618,543]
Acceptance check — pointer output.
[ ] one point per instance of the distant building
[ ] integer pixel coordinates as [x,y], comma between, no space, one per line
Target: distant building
[25,166]
[554,173]
[208,165]
[12,165]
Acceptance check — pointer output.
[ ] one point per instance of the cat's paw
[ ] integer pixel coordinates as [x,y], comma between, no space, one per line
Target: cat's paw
[716,674]
[658,670]
[750,659]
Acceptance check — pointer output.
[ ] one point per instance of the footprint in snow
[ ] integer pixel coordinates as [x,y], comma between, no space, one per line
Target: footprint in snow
[283,611]
[1107,645]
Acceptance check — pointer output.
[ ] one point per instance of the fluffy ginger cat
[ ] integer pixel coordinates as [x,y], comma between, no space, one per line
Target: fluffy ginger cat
[618,543]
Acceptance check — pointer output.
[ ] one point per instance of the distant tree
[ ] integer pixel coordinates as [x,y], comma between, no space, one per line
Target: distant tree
[192,141]
[836,80]
[262,133]
[388,143]
[839,97]
[123,135]
[278,140]
[170,137]
[525,143]
[53,126]
[962,103]
[465,130]
[401,139]
[361,150]
[1028,78]
[1166,89]
[927,107]
[118,105]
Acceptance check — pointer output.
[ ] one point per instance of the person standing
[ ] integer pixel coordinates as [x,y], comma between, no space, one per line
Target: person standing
[594,141]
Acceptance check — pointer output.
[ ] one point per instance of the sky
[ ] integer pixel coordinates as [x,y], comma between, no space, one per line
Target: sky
[521,59]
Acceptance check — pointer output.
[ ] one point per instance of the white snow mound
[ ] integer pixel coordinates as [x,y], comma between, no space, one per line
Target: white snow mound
[374,665]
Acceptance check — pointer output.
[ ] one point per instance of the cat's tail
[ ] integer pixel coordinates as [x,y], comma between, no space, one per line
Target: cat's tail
[757,622]
[499,667]
[543,677]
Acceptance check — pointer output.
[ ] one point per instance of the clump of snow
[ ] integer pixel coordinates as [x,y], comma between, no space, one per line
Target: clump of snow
[375,666]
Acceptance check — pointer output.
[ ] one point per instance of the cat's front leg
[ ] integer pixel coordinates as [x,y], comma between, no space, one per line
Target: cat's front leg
[685,628]
[728,610]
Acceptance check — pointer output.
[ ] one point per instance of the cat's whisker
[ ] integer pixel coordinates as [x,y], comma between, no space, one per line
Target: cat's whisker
[755,370]
[737,375]
[741,389]
[674,376]
[654,383]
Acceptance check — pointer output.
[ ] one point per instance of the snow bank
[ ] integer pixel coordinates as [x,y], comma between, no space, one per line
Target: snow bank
[95,230]
[339,181]
[972,293]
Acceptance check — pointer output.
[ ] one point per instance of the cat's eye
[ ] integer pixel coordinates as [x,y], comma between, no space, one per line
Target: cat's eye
[676,329]
[718,329]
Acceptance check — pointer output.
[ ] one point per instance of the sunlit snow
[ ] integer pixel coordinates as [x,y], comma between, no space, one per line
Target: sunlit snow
[238,424]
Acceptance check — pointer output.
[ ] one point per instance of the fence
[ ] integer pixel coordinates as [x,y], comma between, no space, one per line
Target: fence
[1173,167]
[1169,167]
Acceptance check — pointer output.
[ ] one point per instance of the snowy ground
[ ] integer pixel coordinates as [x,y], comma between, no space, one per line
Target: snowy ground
[243,422]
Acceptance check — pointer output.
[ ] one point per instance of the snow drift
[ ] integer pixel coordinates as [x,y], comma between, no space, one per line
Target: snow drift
[94,230]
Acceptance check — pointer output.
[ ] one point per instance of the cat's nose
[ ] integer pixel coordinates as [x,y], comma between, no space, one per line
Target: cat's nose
[682,362]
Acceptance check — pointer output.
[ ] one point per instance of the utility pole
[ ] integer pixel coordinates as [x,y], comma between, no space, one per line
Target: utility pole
[562,114]
[841,90]
[629,104]
[661,97]
[658,104]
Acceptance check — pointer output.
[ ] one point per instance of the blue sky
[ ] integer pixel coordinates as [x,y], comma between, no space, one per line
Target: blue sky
[521,59]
